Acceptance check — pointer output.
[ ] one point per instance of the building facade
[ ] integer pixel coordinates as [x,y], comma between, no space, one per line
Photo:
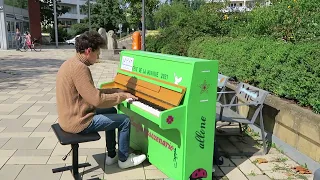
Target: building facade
[14,14]
[75,13]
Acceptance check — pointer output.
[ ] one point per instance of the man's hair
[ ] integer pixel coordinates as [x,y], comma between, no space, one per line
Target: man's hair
[89,39]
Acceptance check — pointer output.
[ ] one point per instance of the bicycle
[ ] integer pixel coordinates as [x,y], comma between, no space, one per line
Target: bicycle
[35,45]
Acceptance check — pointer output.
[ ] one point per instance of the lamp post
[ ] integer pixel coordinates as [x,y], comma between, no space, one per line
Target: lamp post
[55,21]
[143,26]
[89,16]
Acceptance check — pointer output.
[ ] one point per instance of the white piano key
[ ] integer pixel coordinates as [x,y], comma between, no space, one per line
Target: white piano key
[144,107]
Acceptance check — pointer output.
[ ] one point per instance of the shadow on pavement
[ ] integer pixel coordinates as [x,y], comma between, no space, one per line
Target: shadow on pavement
[16,72]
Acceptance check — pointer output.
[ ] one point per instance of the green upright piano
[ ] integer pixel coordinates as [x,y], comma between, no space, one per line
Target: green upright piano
[173,122]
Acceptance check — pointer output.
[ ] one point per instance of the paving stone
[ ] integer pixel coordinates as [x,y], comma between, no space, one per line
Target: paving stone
[92,152]
[47,89]
[66,175]
[42,134]
[258,177]
[22,108]
[246,166]
[17,96]
[113,172]
[14,134]
[148,166]
[270,157]
[33,122]
[48,108]
[43,127]
[18,129]
[4,97]
[3,141]
[10,172]
[41,98]
[228,147]
[101,143]
[270,166]
[24,102]
[6,153]
[218,172]
[58,159]
[227,163]
[1,129]
[9,116]
[96,170]
[34,110]
[3,160]
[277,174]
[33,152]
[290,164]
[60,150]
[233,173]
[24,97]
[48,143]
[43,172]
[9,101]
[154,174]
[23,143]
[15,123]
[28,160]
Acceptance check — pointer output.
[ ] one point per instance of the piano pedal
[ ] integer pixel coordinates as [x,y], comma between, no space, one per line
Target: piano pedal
[65,157]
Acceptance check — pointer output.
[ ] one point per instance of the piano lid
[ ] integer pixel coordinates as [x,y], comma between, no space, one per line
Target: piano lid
[164,94]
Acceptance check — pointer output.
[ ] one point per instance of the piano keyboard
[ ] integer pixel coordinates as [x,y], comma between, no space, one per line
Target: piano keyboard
[144,106]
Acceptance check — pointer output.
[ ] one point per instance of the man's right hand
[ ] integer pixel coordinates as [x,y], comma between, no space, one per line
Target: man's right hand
[130,96]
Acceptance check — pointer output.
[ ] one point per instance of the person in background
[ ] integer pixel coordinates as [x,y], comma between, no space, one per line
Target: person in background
[82,108]
[18,39]
[28,39]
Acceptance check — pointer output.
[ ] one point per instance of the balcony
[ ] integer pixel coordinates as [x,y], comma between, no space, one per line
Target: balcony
[72,16]
[74,2]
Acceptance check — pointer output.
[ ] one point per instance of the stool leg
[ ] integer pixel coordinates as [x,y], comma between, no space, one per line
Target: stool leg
[75,160]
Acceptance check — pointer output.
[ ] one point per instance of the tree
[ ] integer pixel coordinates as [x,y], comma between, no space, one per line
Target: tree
[134,12]
[46,11]
[17,3]
[107,14]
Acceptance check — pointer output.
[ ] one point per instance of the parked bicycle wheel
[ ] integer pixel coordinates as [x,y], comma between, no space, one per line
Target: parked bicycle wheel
[37,47]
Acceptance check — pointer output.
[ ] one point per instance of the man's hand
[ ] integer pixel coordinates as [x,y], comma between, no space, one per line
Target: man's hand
[130,96]
[120,91]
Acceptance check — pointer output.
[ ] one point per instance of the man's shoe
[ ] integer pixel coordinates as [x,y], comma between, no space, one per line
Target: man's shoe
[133,160]
[110,161]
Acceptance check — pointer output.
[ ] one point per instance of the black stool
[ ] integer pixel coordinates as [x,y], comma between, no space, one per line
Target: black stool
[74,140]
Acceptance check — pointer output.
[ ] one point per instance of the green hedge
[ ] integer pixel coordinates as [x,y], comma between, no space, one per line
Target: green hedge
[288,70]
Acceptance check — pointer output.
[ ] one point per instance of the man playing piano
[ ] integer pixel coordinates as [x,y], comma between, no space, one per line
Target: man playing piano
[82,108]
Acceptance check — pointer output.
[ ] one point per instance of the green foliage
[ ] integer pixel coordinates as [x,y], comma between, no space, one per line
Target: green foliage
[17,3]
[183,25]
[78,29]
[294,20]
[133,9]
[288,70]
[46,11]
[105,13]
[62,33]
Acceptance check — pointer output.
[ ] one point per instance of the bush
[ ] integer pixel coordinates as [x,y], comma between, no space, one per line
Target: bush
[288,70]
[183,25]
[78,29]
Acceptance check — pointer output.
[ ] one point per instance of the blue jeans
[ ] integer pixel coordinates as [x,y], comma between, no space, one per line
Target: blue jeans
[108,120]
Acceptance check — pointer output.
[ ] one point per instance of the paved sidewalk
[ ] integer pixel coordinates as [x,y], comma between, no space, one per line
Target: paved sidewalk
[29,148]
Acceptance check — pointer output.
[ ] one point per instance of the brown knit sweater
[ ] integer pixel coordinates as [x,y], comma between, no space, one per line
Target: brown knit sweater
[77,97]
